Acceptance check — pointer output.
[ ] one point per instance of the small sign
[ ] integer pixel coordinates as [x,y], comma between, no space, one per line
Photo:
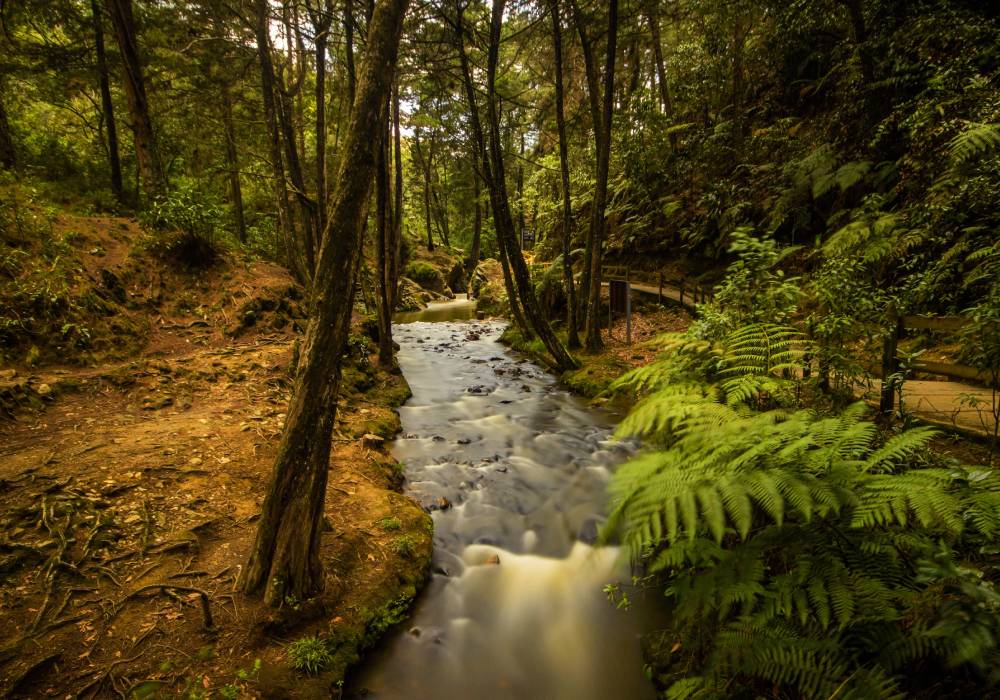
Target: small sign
[527,237]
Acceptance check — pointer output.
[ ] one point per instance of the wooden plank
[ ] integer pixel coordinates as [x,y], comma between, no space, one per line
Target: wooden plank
[935,323]
[950,370]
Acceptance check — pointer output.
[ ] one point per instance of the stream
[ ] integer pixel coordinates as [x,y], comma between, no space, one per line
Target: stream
[515,469]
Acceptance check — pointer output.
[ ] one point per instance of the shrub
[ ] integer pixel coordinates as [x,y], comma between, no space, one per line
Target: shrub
[184,224]
[309,654]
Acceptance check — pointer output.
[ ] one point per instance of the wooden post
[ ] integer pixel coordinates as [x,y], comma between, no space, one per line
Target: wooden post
[682,292]
[890,365]
[628,309]
[659,293]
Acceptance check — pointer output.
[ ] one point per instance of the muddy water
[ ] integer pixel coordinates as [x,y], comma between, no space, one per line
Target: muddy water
[515,469]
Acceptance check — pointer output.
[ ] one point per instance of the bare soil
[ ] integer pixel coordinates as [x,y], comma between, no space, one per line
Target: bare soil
[129,490]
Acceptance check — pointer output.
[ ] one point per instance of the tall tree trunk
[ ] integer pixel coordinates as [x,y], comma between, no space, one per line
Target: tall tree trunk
[322,18]
[425,175]
[286,223]
[352,79]
[146,154]
[495,177]
[477,226]
[8,158]
[593,101]
[233,165]
[573,339]
[598,222]
[653,19]
[107,106]
[440,213]
[285,558]
[397,229]
[307,207]
[383,237]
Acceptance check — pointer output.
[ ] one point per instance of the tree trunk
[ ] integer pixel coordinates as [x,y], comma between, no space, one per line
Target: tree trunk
[383,241]
[477,226]
[598,223]
[285,557]
[322,18]
[397,229]
[573,339]
[352,79]
[652,17]
[493,173]
[286,224]
[146,154]
[233,165]
[286,122]
[425,175]
[593,100]
[8,158]
[107,106]
[441,214]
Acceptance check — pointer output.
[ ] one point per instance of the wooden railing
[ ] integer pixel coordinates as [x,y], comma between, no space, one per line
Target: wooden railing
[891,359]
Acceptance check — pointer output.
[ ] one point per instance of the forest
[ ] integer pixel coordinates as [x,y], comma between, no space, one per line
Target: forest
[514,349]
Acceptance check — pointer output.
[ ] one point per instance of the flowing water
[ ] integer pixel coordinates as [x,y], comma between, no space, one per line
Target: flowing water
[514,468]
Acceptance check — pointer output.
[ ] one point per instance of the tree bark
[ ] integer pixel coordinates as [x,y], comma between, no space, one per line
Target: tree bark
[286,223]
[573,339]
[8,157]
[352,79]
[322,18]
[397,229]
[598,222]
[477,226]
[146,153]
[493,173]
[425,175]
[652,17]
[233,165]
[285,557]
[307,207]
[383,241]
[107,105]
[593,101]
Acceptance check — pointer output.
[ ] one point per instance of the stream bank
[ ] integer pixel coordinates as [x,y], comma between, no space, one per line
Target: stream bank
[513,468]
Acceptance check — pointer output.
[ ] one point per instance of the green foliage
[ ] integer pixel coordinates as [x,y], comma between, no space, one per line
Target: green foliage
[184,225]
[404,546]
[754,288]
[309,654]
[390,524]
[798,550]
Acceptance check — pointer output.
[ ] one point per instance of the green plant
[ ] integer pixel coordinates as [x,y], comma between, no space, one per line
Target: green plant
[390,524]
[184,224]
[404,546]
[754,289]
[800,553]
[309,654]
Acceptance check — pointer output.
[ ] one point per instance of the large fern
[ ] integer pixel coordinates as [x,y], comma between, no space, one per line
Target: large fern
[797,550]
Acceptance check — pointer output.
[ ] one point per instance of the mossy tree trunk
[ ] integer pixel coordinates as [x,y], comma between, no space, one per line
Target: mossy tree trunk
[285,560]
